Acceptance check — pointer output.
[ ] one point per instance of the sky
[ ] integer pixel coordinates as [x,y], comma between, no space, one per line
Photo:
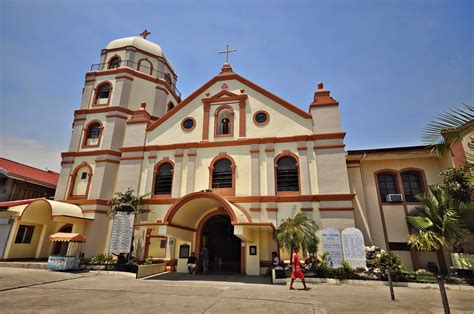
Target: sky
[392,65]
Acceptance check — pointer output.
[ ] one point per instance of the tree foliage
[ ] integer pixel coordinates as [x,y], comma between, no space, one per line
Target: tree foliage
[126,202]
[457,182]
[449,128]
[298,231]
[438,222]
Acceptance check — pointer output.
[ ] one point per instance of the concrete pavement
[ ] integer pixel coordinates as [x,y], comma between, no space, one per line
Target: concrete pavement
[28,291]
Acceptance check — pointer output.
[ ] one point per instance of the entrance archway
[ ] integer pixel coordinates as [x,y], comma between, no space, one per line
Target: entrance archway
[217,234]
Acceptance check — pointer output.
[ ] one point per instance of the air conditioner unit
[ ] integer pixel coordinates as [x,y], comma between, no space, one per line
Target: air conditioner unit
[394,198]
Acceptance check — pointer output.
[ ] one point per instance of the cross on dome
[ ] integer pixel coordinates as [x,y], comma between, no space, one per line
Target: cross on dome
[145,33]
[227,51]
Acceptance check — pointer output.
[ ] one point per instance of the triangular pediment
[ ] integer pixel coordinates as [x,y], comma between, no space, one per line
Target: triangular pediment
[225,95]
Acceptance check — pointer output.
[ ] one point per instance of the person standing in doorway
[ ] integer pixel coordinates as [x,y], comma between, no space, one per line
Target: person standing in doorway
[296,270]
[205,260]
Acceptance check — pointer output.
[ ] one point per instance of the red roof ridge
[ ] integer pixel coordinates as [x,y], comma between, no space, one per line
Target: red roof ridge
[36,175]
[25,165]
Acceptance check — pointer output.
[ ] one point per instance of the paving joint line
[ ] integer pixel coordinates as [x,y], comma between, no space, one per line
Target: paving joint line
[41,284]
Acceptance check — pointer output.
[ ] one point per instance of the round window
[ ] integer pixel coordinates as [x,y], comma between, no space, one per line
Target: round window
[188,124]
[261,117]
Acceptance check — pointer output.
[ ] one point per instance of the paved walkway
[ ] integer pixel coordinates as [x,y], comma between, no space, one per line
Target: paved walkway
[26,290]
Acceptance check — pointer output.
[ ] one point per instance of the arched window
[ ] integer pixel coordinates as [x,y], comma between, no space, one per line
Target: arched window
[92,134]
[222,174]
[163,179]
[387,185]
[170,106]
[102,94]
[114,62]
[145,66]
[287,178]
[80,181]
[412,185]
[224,121]
[104,91]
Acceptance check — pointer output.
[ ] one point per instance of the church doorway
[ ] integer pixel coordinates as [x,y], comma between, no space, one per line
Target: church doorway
[224,247]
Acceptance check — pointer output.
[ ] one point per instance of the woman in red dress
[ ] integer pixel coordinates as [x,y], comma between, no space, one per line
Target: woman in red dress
[296,270]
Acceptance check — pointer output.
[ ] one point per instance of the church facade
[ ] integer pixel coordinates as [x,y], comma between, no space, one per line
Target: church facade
[223,167]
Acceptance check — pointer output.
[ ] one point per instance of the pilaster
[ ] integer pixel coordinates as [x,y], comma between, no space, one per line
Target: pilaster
[176,185]
[191,173]
[304,170]
[254,170]
[269,161]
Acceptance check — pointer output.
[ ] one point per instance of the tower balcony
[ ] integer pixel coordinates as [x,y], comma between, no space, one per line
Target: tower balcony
[141,68]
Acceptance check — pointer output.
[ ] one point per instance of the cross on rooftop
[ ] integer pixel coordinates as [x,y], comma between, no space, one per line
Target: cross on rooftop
[227,51]
[145,33]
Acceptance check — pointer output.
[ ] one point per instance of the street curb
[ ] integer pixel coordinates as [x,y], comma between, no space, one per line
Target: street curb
[385,283]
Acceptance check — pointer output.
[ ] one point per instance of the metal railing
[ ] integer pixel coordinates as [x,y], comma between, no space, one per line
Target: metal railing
[139,67]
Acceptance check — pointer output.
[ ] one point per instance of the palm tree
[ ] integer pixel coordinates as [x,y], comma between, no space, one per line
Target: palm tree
[126,202]
[437,224]
[449,128]
[298,231]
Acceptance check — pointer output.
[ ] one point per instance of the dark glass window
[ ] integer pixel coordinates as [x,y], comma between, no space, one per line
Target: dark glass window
[83,175]
[261,117]
[287,175]
[114,63]
[188,124]
[93,131]
[387,185]
[222,174]
[24,234]
[104,91]
[411,185]
[164,179]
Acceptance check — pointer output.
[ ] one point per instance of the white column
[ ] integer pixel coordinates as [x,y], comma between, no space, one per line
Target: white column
[41,240]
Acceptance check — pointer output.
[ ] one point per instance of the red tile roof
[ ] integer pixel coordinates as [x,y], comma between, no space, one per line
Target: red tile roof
[29,173]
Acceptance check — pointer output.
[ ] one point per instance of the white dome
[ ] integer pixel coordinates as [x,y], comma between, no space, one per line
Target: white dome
[142,44]
[137,42]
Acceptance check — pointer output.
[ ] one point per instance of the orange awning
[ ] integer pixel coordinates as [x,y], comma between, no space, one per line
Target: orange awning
[67,237]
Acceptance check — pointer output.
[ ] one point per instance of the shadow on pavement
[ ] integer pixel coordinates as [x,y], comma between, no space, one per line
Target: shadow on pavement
[222,277]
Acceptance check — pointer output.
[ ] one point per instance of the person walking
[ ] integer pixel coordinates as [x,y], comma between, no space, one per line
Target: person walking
[205,260]
[296,270]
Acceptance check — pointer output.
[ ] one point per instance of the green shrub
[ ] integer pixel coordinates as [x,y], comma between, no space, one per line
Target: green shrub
[102,259]
[345,272]
[148,260]
[386,261]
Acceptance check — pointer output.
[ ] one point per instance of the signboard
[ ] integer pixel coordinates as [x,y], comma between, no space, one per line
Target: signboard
[332,244]
[184,251]
[353,247]
[122,230]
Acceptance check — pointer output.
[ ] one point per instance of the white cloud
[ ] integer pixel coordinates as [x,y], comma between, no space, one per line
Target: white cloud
[31,152]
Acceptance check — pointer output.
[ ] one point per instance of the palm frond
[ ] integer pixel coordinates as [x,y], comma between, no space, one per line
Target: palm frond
[449,128]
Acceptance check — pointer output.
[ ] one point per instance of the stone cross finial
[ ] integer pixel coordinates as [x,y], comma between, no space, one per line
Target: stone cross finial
[227,51]
[145,33]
